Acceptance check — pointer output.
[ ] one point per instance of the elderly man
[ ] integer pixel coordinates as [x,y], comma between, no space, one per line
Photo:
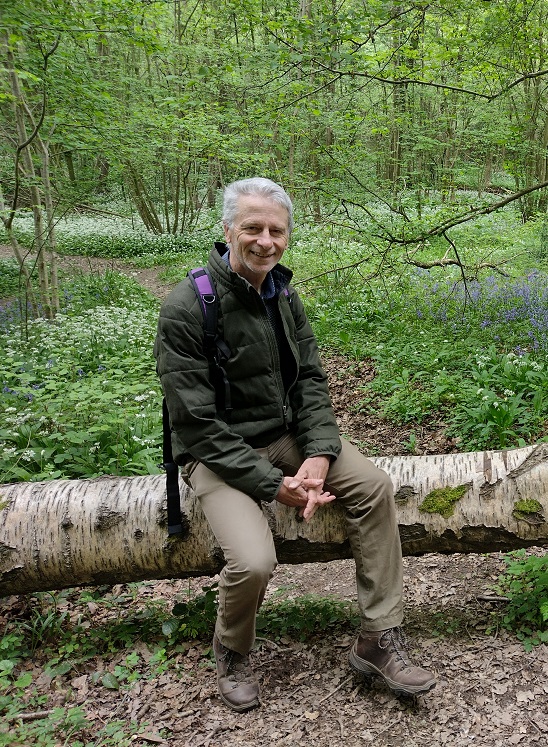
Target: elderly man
[278,441]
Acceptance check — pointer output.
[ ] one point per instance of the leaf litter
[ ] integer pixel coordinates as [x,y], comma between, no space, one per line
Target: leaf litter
[490,692]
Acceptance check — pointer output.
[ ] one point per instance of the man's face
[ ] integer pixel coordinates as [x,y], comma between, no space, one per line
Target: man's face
[258,237]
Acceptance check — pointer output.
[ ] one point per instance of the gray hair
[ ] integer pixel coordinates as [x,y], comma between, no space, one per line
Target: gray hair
[256,185]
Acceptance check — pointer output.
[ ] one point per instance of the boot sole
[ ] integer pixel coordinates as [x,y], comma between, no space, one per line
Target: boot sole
[242,708]
[369,672]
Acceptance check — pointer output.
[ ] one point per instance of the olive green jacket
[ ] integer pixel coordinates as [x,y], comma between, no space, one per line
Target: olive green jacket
[262,410]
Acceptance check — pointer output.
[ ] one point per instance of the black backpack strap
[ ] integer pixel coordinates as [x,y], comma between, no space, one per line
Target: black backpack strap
[175,523]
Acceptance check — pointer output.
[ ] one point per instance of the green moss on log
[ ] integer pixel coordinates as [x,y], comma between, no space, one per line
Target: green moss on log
[526,509]
[442,500]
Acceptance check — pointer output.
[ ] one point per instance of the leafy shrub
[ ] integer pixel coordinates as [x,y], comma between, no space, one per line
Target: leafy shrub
[194,618]
[427,340]
[525,582]
[298,618]
[305,616]
[504,403]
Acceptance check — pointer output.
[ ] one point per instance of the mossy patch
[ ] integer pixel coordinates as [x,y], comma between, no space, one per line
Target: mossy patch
[442,500]
[527,509]
[4,504]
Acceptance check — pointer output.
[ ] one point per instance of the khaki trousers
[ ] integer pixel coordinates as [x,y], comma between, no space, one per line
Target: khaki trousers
[243,533]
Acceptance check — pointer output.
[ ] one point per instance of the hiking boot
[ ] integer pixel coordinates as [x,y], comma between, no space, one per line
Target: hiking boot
[238,686]
[383,654]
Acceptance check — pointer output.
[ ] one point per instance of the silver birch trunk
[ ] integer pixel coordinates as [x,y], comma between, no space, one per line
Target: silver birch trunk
[113,529]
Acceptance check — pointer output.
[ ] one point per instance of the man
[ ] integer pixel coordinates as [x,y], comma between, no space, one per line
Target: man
[278,441]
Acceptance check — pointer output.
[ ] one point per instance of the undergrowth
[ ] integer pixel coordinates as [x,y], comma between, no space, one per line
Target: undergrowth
[525,583]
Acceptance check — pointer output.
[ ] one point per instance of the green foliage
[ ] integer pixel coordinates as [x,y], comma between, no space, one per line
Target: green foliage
[81,398]
[80,395]
[194,618]
[9,278]
[525,583]
[304,616]
[298,618]
[45,628]
[470,356]
[112,237]
[505,403]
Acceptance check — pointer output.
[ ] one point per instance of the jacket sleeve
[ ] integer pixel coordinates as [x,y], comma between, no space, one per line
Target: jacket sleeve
[197,430]
[317,429]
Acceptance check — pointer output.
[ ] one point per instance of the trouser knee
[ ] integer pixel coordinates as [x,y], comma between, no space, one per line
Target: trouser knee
[253,572]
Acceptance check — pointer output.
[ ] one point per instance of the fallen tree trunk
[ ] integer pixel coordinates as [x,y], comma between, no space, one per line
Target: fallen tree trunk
[113,529]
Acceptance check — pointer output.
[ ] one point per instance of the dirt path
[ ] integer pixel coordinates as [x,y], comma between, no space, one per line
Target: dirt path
[491,692]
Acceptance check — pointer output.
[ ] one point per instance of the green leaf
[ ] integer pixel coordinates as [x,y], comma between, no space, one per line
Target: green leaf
[109,681]
[171,626]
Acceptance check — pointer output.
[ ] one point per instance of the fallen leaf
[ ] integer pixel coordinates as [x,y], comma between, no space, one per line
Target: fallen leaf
[153,738]
[500,689]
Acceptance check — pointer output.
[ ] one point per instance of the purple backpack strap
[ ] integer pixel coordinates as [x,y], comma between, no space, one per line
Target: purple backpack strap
[205,291]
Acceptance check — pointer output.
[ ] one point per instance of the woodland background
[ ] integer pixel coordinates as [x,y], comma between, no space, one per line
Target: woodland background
[413,138]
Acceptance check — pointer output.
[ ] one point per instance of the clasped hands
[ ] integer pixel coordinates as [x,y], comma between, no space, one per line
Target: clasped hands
[305,489]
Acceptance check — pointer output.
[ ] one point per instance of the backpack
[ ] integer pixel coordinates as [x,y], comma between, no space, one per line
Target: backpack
[217,353]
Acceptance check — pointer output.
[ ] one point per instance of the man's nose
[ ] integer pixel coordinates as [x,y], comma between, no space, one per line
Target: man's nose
[264,238]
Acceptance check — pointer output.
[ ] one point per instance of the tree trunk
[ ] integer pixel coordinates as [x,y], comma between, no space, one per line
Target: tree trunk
[113,529]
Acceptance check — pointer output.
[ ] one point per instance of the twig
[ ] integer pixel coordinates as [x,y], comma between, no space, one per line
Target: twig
[540,731]
[393,723]
[343,683]
[267,640]
[329,694]
[29,716]
[143,710]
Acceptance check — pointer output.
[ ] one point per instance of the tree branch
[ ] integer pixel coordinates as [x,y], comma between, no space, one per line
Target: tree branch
[408,81]
[470,215]
[527,76]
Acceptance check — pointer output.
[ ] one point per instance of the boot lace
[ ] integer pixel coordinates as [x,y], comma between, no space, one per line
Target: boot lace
[238,668]
[394,639]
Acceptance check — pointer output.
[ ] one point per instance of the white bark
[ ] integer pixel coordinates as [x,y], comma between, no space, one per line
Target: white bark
[113,530]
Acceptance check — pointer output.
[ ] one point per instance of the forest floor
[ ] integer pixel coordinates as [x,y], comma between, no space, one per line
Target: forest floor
[490,691]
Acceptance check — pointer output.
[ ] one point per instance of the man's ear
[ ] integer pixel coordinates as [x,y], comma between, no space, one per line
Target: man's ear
[226,230]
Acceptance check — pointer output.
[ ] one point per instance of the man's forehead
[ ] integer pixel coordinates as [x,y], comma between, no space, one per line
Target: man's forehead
[258,207]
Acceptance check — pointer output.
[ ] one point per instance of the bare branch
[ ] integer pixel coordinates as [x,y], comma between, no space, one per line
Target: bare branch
[332,270]
[409,81]
[527,76]
[471,214]
[445,262]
